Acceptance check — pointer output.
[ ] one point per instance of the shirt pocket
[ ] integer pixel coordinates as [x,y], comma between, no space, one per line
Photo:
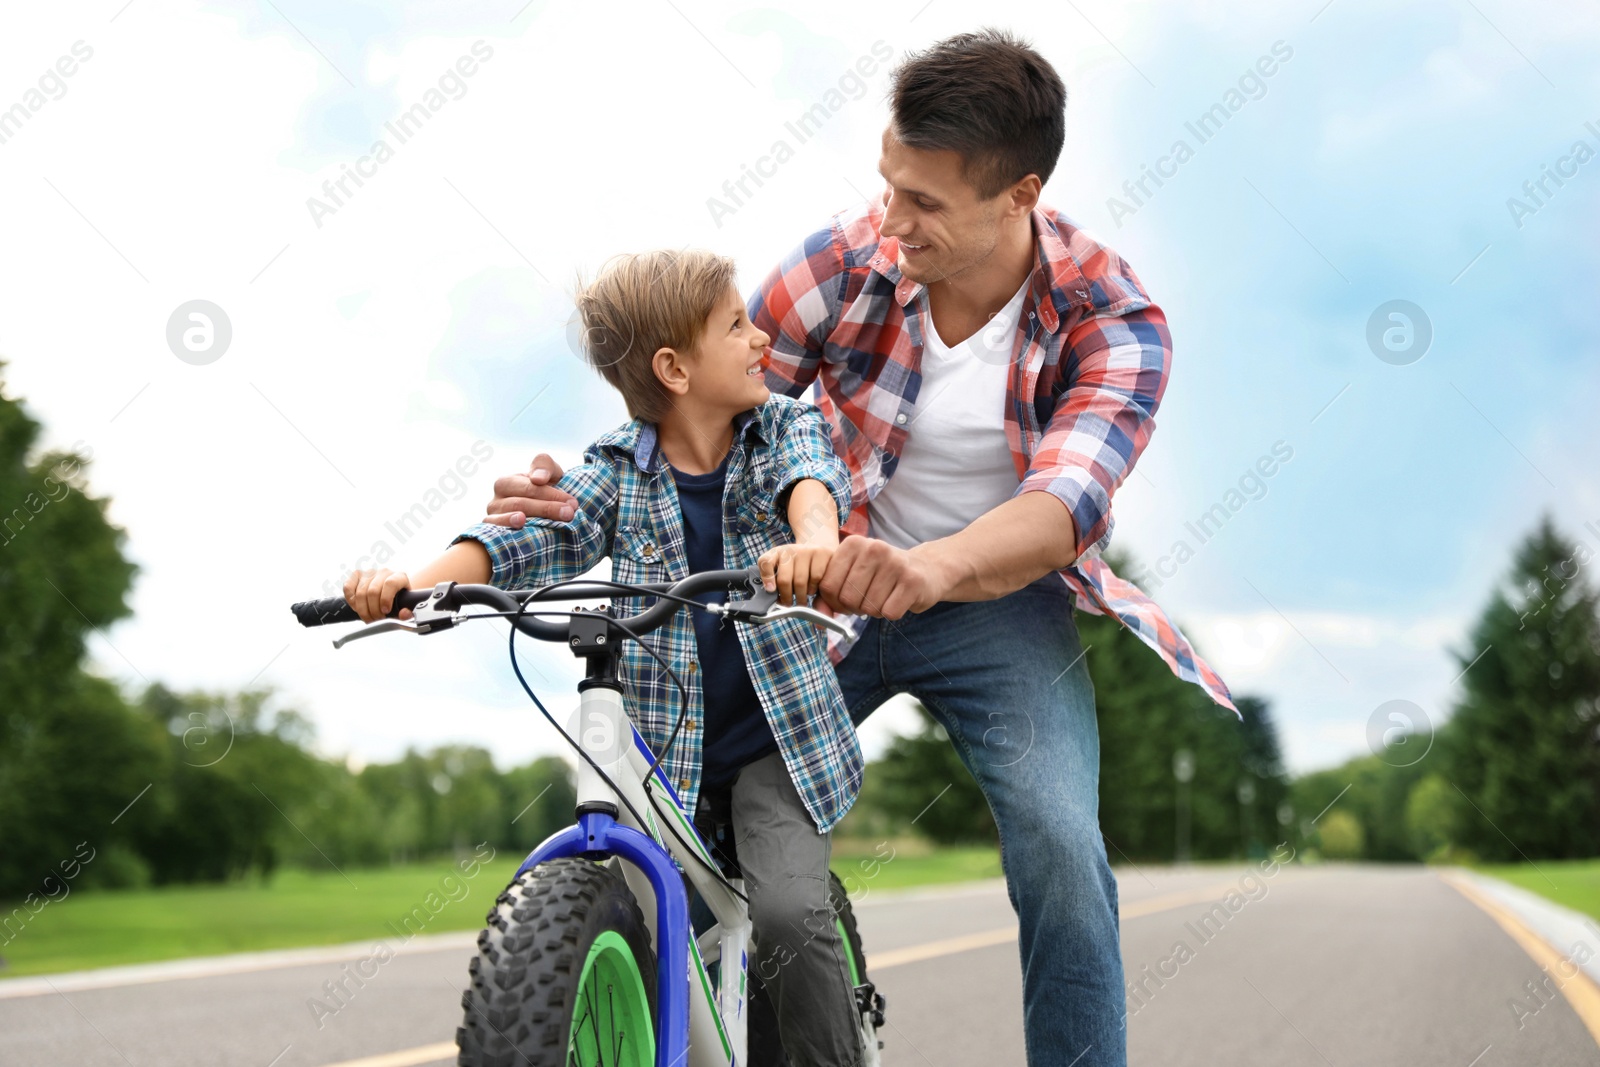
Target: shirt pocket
[757,516]
[636,556]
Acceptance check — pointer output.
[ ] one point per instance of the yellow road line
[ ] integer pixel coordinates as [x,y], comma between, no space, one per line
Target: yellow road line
[898,957]
[410,1057]
[1579,990]
[1136,909]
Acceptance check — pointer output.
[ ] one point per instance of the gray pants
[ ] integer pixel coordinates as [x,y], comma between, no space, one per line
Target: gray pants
[799,957]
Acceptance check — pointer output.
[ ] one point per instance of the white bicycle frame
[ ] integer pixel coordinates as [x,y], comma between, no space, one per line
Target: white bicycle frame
[718,1019]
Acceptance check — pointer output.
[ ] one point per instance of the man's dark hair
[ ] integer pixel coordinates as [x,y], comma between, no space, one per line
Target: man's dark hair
[989,96]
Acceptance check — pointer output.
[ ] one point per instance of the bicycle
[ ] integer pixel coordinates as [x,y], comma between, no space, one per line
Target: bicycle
[588,957]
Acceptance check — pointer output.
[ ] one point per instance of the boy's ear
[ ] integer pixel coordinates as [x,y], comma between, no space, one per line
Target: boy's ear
[672,370]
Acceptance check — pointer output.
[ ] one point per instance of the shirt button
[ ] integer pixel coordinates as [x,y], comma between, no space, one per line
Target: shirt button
[901,418]
[683,783]
[761,516]
[693,667]
[689,723]
[649,550]
[881,482]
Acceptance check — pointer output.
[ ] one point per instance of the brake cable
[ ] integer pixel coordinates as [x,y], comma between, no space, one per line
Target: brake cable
[516,667]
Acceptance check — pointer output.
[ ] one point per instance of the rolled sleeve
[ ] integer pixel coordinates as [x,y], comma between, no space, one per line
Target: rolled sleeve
[512,553]
[1085,498]
[1117,371]
[805,450]
[549,550]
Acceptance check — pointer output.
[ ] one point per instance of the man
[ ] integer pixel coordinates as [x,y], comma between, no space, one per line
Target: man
[990,373]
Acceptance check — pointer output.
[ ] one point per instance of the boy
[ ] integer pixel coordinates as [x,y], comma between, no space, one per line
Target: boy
[703,479]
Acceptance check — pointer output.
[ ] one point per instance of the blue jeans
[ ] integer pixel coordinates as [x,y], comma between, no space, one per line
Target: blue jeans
[1007,681]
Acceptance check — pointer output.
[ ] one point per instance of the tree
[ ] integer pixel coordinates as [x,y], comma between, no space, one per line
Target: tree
[1342,836]
[1147,715]
[1430,817]
[71,759]
[1369,792]
[923,785]
[1522,751]
[180,787]
[538,799]
[238,784]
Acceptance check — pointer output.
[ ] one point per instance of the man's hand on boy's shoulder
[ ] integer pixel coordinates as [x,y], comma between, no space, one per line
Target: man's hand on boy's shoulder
[519,497]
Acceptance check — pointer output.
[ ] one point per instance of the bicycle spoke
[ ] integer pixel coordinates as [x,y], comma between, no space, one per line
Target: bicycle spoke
[616,1047]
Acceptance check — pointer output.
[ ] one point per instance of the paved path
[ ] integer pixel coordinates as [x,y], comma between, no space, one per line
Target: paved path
[1329,966]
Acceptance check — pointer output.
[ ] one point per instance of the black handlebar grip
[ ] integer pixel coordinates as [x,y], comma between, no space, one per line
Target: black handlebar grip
[329,610]
[324,612]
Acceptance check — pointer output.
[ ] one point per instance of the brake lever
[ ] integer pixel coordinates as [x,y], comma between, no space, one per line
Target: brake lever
[386,626]
[427,617]
[763,607]
[811,615]
[750,608]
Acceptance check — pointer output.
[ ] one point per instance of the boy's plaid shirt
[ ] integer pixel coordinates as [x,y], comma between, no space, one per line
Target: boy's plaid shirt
[628,509]
[1089,365]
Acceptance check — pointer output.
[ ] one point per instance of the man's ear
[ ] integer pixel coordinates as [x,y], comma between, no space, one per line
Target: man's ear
[672,370]
[1024,196]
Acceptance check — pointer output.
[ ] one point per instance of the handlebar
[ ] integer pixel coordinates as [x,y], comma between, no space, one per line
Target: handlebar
[447,597]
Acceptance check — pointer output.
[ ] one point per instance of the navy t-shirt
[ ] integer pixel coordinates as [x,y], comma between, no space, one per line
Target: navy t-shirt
[736,731]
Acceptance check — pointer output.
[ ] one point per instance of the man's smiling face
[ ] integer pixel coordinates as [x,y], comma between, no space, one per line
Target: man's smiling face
[943,225]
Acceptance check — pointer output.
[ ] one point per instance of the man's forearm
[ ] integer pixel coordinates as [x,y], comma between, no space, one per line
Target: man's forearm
[1004,549]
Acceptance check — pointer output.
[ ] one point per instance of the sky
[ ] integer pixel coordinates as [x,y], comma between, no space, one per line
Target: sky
[401,342]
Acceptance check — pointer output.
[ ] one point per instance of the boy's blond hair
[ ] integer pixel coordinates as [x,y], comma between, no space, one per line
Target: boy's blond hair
[643,302]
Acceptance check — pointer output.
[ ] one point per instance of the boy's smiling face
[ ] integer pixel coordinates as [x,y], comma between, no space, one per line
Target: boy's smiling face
[725,371]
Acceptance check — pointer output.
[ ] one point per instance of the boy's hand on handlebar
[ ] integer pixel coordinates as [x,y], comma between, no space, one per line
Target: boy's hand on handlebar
[794,571]
[372,593]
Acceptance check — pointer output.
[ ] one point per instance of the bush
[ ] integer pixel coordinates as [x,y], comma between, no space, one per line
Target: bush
[1340,836]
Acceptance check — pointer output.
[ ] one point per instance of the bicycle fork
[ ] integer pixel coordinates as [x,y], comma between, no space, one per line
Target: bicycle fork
[602,723]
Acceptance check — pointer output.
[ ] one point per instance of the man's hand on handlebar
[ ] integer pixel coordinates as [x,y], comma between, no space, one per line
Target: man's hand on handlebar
[518,497]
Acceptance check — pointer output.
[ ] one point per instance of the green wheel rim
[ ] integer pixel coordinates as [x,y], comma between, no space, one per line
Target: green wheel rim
[611,1024]
[849,954]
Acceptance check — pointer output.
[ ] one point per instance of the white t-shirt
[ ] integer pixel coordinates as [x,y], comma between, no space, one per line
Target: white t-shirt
[956,463]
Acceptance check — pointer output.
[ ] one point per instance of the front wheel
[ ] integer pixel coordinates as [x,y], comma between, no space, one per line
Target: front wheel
[564,975]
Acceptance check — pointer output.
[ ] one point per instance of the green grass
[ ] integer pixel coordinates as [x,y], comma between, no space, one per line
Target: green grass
[292,909]
[296,908]
[1573,883]
[867,866]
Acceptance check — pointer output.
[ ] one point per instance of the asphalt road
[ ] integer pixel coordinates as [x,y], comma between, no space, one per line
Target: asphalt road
[1329,966]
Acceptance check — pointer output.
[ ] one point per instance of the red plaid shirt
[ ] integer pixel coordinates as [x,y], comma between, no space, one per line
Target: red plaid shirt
[1089,365]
